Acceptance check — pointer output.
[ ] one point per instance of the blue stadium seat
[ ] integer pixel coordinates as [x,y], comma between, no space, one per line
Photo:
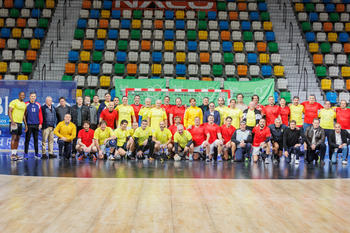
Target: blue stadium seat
[112,34]
[343,37]
[252,57]
[346,1]
[169,35]
[310,37]
[39,33]
[121,56]
[313,17]
[192,46]
[157,56]
[223,25]
[115,14]
[5,33]
[262,7]
[245,26]
[332,97]
[19,4]
[180,69]
[326,1]
[306,1]
[227,46]
[107,5]
[155,77]
[276,96]
[81,23]
[73,56]
[36,13]
[125,23]
[330,8]
[254,16]
[94,68]
[94,14]
[99,45]
[266,70]
[113,93]
[211,15]
[270,36]
[180,24]
[169,14]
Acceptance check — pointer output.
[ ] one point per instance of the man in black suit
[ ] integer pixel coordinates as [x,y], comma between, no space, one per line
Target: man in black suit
[338,143]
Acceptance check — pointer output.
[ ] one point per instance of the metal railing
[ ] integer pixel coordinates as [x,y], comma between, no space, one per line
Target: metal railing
[43,73]
[279,2]
[64,12]
[297,57]
[58,35]
[290,40]
[284,20]
[51,55]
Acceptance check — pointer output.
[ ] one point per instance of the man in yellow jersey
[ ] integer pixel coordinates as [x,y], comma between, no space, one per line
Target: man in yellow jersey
[102,136]
[66,132]
[327,116]
[157,115]
[183,143]
[235,113]
[251,116]
[17,109]
[125,142]
[296,112]
[221,109]
[125,112]
[191,113]
[162,139]
[143,113]
[131,131]
[143,140]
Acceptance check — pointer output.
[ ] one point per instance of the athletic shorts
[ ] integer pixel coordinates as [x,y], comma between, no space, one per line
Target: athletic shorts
[213,145]
[256,150]
[198,149]
[280,145]
[17,131]
[123,147]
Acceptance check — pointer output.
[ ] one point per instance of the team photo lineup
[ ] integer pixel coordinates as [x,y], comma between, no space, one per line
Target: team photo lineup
[210,131]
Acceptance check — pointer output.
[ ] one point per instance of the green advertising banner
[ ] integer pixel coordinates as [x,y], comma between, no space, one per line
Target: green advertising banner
[263,89]
[121,84]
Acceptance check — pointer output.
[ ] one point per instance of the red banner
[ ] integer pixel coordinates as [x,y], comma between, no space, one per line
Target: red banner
[208,5]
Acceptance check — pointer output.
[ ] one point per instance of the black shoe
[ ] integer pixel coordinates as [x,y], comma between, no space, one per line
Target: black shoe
[322,162]
[44,156]
[52,156]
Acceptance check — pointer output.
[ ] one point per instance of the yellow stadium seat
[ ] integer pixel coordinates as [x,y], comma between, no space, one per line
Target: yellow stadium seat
[16,33]
[264,58]
[50,3]
[332,37]
[136,24]
[105,14]
[180,57]
[101,33]
[345,71]
[3,67]
[1,23]
[326,84]
[35,44]
[279,71]
[184,78]
[180,14]
[299,7]
[238,46]
[313,47]
[105,81]
[79,93]
[22,77]
[347,27]
[85,56]
[156,68]
[169,45]
[267,26]
[203,35]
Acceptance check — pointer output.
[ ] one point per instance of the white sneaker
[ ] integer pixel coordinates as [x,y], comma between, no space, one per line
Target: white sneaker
[190,158]
[297,161]
[111,157]
[344,162]
[267,161]
[177,158]
[118,157]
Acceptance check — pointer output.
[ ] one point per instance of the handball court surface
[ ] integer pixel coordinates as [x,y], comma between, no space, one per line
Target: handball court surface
[153,196]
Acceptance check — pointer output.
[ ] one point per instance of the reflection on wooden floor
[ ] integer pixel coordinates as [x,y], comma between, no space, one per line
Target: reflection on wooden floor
[45,204]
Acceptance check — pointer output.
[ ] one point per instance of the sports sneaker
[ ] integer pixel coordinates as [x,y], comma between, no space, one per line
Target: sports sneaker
[275,161]
[13,157]
[247,160]
[344,162]
[118,157]
[80,157]
[297,161]
[19,157]
[190,158]
[38,156]
[219,159]
[267,160]
[207,159]
[26,156]
[44,156]
[177,158]
[111,157]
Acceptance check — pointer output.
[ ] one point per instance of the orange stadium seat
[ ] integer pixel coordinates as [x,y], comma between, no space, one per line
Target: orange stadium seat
[31,55]
[347,48]
[8,3]
[204,57]
[207,79]
[87,44]
[340,8]
[86,4]
[242,70]
[2,43]
[82,68]
[21,23]
[318,59]
[158,24]
[50,4]
[225,35]
[348,84]
[70,68]
[145,45]
[1,22]
[131,68]
[242,6]
[328,27]
[233,15]
[261,47]
[103,23]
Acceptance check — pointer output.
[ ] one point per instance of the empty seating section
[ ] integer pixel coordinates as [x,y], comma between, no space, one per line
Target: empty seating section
[23,25]
[236,42]
[326,26]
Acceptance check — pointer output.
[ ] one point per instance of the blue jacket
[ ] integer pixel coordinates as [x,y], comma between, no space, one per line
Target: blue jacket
[49,116]
[217,118]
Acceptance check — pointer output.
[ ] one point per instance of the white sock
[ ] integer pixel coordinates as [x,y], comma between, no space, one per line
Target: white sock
[14,152]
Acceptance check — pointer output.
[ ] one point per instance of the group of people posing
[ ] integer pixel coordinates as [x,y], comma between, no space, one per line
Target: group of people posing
[110,130]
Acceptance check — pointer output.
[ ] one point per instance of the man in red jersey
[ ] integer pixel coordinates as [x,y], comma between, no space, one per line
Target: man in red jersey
[311,108]
[227,131]
[167,107]
[177,110]
[109,115]
[285,111]
[85,143]
[215,139]
[261,135]
[136,106]
[271,111]
[343,116]
[200,137]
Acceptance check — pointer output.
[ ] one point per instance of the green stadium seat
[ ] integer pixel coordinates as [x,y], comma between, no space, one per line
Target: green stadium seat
[39,4]
[202,25]
[97,56]
[89,92]
[287,96]
[228,58]
[137,14]
[325,48]
[23,44]
[129,77]
[122,45]
[265,16]
[14,13]
[334,17]
[306,26]
[67,78]
[217,70]
[221,6]
[26,67]
[135,34]
[247,36]
[119,68]
[273,47]
[321,71]
[191,35]
[201,15]
[43,23]
[232,79]
[309,7]
[79,34]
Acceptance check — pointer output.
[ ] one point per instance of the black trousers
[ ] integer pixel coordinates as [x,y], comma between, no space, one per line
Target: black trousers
[32,129]
[74,151]
[311,154]
[64,148]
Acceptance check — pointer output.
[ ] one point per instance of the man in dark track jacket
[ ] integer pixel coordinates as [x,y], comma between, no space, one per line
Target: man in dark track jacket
[241,142]
[338,143]
[277,131]
[314,138]
[49,122]
[292,140]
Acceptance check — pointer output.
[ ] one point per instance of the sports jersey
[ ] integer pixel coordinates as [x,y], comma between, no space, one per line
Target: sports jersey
[109,117]
[236,114]
[285,114]
[271,113]
[296,113]
[125,113]
[142,135]
[190,114]
[86,136]
[168,108]
[199,134]
[144,112]
[227,132]
[222,111]
[137,109]
[178,111]
[343,117]
[213,130]
[96,105]
[327,117]
[157,115]
[34,115]
[162,136]
[18,111]
[251,120]
[259,107]
[102,135]
[182,139]
[310,111]
[173,130]
[131,132]
[121,136]
[260,135]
